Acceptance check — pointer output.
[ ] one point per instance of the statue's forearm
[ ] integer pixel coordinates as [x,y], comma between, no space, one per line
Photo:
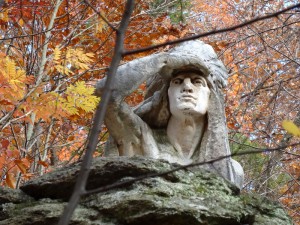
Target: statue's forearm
[130,75]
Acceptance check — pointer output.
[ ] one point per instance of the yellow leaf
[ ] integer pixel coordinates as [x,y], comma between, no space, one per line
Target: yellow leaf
[57,54]
[21,22]
[291,128]
[72,59]
[100,26]
[79,96]
[14,77]
[90,54]
[4,15]
[63,70]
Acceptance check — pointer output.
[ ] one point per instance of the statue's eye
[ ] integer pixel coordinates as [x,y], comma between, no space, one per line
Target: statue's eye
[197,81]
[177,81]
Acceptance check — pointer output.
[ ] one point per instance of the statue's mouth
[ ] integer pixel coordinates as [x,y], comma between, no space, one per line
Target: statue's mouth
[187,97]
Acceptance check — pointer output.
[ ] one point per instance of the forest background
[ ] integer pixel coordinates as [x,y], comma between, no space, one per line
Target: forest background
[53,53]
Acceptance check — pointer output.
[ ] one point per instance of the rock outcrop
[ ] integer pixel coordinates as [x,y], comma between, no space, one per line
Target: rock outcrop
[186,197]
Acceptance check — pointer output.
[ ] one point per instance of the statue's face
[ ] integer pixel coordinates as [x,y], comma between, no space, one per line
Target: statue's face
[188,95]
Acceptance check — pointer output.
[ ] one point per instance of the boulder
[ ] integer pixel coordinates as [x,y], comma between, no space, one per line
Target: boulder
[191,196]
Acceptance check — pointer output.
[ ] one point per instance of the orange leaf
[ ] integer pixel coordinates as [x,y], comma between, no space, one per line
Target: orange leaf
[28,175]
[43,163]
[231,125]
[13,153]
[222,44]
[5,102]
[71,138]
[5,143]
[10,180]
[17,130]
[30,79]
[20,165]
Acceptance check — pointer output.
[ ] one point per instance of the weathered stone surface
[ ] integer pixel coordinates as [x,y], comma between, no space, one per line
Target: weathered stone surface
[12,195]
[104,171]
[190,196]
[46,212]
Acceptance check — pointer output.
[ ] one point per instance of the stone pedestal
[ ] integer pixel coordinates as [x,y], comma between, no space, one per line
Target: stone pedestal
[191,196]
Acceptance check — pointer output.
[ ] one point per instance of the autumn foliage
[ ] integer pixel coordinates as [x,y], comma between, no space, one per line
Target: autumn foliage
[53,52]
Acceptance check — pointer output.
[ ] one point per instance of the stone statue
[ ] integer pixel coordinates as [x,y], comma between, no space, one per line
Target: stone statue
[182,118]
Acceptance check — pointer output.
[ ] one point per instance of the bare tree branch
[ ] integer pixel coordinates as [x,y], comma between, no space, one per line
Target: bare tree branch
[80,186]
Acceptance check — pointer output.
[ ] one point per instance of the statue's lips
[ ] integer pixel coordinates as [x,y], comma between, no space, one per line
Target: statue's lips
[187,97]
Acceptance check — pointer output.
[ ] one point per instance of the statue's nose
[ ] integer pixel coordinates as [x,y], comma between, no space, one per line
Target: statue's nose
[187,85]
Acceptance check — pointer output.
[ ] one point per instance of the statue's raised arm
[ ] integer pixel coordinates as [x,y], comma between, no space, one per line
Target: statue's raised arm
[126,128]
[182,118]
[132,74]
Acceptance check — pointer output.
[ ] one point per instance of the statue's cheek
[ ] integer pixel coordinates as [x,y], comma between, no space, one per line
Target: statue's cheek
[203,101]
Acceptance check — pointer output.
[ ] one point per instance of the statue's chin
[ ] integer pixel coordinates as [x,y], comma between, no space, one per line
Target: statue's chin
[188,110]
[183,108]
[187,105]
[185,111]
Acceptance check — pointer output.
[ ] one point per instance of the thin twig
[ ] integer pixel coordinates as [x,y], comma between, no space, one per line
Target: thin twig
[263,149]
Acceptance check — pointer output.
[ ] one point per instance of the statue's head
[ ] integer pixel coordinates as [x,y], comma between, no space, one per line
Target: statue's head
[188,94]
[184,84]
